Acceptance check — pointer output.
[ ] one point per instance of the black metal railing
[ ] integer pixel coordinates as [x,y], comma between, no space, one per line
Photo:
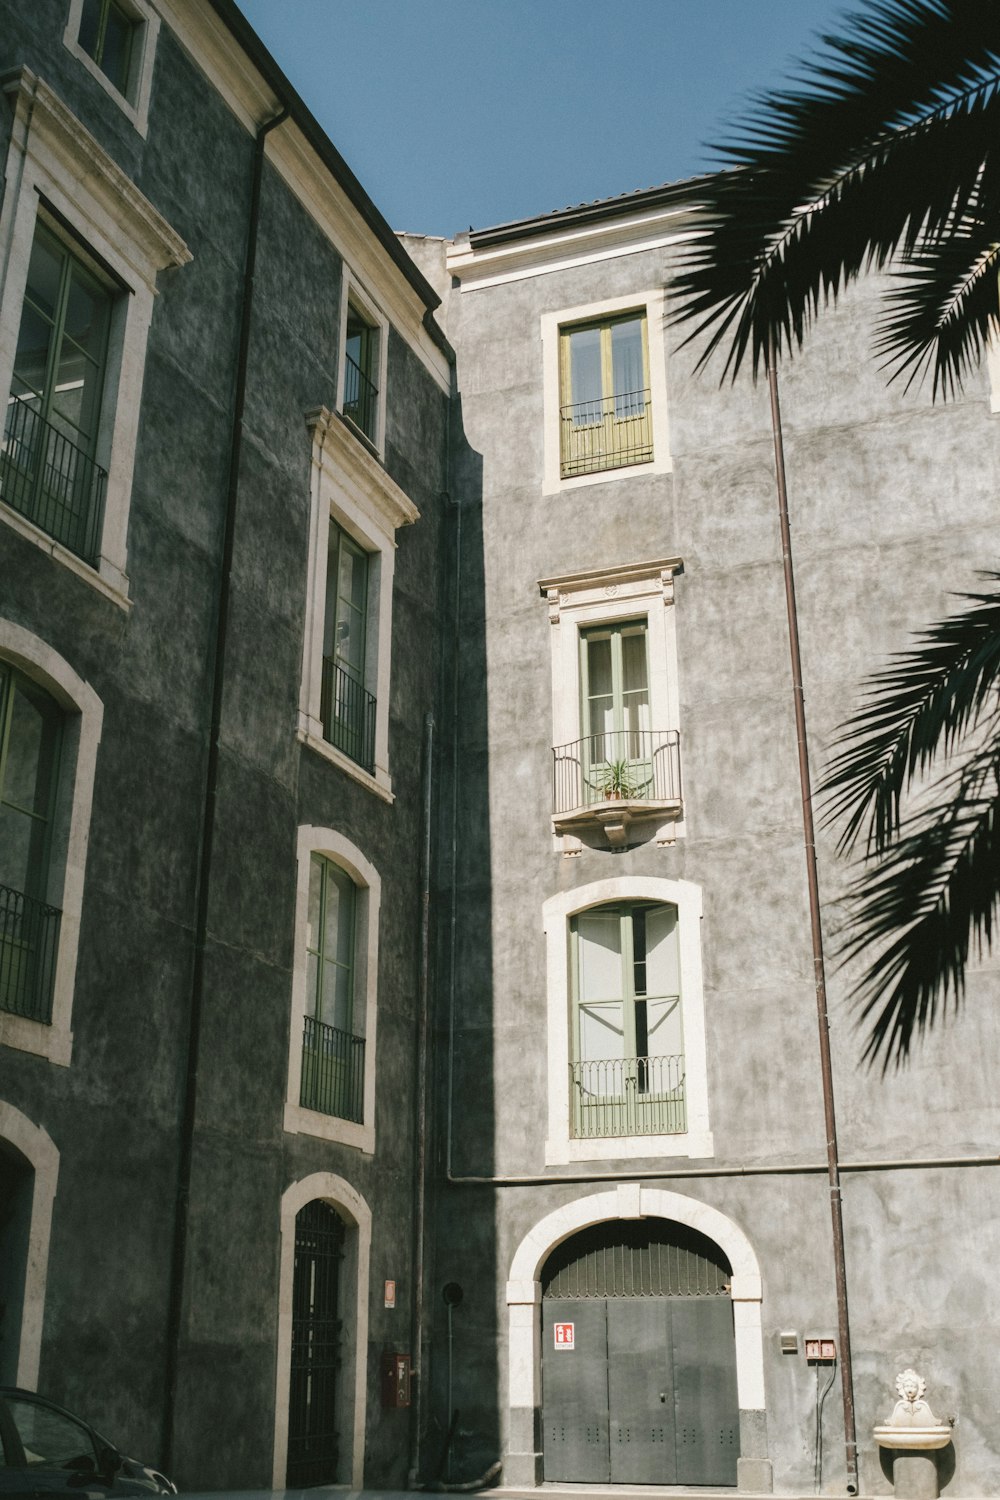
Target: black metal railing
[606,433]
[347,711]
[619,765]
[333,1071]
[628,1096]
[29,941]
[360,398]
[51,481]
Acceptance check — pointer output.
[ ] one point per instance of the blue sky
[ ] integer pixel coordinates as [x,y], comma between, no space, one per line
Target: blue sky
[459,112]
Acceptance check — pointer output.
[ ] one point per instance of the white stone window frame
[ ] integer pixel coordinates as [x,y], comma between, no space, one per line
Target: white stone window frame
[653,305]
[561,1147]
[353,1388]
[36,1147]
[134,103]
[368,884]
[607,596]
[352,293]
[84,717]
[50,156]
[349,486]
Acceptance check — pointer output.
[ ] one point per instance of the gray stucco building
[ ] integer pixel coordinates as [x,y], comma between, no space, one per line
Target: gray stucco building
[401,872]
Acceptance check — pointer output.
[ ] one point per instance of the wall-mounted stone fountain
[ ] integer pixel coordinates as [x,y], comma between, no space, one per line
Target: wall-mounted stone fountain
[914,1434]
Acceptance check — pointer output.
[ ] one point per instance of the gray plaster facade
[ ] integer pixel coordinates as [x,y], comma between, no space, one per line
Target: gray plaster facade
[154,1148]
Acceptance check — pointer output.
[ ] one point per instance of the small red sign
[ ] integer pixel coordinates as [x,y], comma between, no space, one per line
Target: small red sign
[390,1294]
[565,1335]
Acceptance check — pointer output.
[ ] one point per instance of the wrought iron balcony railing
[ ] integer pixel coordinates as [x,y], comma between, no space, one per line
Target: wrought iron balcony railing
[360,398]
[607,433]
[348,714]
[29,940]
[620,765]
[51,481]
[628,1096]
[333,1071]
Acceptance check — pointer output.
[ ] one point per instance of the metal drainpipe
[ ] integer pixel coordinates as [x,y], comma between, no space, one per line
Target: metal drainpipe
[420,1164]
[819,966]
[453,914]
[183,1205]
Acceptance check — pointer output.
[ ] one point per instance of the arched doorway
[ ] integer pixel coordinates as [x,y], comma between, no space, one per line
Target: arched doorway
[314,1410]
[639,1357]
[17,1183]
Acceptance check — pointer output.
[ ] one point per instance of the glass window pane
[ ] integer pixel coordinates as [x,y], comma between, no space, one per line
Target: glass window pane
[341,1012]
[45,274]
[117,46]
[353,575]
[585,372]
[90,26]
[312,985]
[663,1025]
[31,359]
[662,968]
[634,660]
[29,762]
[86,315]
[315,902]
[331,915]
[16,844]
[599,955]
[48,1436]
[602,1032]
[627,367]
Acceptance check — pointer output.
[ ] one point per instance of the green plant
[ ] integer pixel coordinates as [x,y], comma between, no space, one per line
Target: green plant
[617,780]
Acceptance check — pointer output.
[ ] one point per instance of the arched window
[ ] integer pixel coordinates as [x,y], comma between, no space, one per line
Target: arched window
[627,1064]
[30,739]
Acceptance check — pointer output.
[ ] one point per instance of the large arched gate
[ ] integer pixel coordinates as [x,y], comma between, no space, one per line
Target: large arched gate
[639,1357]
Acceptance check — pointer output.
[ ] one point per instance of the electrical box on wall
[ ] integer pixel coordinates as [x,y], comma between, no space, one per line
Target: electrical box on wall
[396,1379]
[820,1349]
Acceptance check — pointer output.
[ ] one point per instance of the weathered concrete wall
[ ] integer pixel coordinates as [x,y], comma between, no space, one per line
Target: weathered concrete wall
[892,507]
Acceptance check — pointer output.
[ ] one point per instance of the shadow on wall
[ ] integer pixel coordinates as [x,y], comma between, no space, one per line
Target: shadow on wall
[462,1437]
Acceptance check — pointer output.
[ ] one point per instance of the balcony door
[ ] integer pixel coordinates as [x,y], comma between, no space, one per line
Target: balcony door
[627,1070]
[614,673]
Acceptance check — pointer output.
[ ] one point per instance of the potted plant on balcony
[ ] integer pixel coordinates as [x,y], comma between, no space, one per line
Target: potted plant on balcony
[617,781]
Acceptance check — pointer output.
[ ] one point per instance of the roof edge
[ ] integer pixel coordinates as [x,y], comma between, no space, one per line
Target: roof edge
[669,195]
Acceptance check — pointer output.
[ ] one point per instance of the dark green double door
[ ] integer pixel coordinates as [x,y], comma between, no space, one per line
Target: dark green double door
[640,1390]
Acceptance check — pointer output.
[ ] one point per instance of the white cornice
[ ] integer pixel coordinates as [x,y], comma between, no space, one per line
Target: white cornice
[558,250]
[38,110]
[214,50]
[345,461]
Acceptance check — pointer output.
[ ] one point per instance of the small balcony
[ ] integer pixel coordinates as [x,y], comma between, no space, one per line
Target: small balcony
[333,1071]
[626,1096]
[610,432]
[347,712]
[29,940]
[51,482]
[612,780]
[360,398]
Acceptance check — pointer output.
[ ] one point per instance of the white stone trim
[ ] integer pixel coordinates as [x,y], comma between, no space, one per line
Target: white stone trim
[50,155]
[81,737]
[653,305]
[602,596]
[349,484]
[135,103]
[342,852]
[37,1148]
[697,1140]
[629,1201]
[352,292]
[352,1207]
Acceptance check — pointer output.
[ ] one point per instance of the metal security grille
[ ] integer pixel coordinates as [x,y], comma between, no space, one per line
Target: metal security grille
[313,1443]
[647,1258]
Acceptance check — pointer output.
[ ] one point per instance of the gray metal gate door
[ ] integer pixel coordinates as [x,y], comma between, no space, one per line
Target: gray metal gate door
[646,1395]
[575,1414]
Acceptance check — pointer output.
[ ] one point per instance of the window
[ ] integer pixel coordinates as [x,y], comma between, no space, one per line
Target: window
[107,34]
[605,413]
[333,1057]
[30,737]
[605,390]
[347,708]
[75,310]
[627,1068]
[361,368]
[616,769]
[47,468]
[626,1063]
[355,512]
[115,41]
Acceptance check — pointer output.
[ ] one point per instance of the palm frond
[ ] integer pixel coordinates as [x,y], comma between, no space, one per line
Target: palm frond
[881,154]
[928,906]
[916,710]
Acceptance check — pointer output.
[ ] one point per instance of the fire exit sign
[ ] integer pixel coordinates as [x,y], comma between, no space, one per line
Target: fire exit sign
[565,1335]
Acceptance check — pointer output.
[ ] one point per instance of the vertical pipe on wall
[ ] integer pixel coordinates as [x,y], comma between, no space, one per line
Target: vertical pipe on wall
[420,1105]
[819,964]
[182,1206]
